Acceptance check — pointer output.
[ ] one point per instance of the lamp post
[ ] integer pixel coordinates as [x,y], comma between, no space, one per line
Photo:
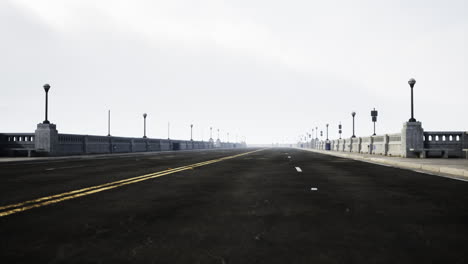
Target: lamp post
[191,132]
[211,133]
[168,130]
[321,134]
[374,118]
[339,129]
[316,132]
[108,124]
[46,89]
[218,133]
[411,83]
[144,125]
[353,114]
[327,132]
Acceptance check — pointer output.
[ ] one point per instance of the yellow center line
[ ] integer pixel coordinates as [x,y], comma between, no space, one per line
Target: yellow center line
[43,201]
[102,185]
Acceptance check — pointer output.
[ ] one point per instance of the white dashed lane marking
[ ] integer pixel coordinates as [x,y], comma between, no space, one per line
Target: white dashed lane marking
[68,167]
[298,169]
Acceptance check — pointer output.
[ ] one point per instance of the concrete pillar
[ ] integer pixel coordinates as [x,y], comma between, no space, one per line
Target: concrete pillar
[46,139]
[386,141]
[359,140]
[111,146]
[85,144]
[411,139]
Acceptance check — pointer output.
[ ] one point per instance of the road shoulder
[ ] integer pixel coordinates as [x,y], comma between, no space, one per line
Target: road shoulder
[449,168]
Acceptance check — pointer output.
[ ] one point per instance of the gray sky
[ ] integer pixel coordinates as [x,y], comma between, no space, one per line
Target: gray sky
[267,70]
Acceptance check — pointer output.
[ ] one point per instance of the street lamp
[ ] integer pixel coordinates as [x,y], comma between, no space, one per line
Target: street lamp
[191,132]
[321,134]
[108,124]
[218,133]
[339,129]
[327,132]
[46,89]
[168,130]
[353,114]
[316,132]
[211,133]
[374,118]
[411,83]
[144,125]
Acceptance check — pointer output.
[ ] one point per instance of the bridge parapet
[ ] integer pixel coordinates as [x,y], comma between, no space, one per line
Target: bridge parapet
[394,144]
[366,145]
[412,142]
[356,144]
[380,145]
[15,144]
[453,141]
[52,143]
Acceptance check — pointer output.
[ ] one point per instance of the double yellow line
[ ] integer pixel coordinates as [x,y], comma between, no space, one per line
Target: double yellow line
[43,201]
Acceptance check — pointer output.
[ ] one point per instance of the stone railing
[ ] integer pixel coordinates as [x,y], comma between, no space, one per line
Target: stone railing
[412,142]
[394,145]
[22,144]
[12,144]
[453,142]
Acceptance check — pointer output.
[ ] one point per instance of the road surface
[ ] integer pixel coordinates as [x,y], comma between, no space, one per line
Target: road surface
[229,206]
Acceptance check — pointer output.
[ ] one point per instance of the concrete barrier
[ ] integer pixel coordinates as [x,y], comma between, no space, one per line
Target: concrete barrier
[46,141]
[411,142]
[394,145]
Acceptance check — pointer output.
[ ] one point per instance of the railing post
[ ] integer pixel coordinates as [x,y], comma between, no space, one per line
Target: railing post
[111,147]
[386,142]
[85,144]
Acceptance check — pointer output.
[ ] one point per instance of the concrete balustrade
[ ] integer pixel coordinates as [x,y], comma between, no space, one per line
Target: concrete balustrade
[14,144]
[380,145]
[366,145]
[347,145]
[454,142]
[411,142]
[356,145]
[46,141]
[394,144]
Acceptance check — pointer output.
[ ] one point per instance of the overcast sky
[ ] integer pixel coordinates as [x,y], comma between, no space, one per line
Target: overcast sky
[268,70]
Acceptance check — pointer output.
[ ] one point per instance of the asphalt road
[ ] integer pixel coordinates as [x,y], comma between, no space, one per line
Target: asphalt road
[268,206]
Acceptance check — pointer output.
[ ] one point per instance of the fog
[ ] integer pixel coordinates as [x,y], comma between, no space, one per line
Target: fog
[265,70]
